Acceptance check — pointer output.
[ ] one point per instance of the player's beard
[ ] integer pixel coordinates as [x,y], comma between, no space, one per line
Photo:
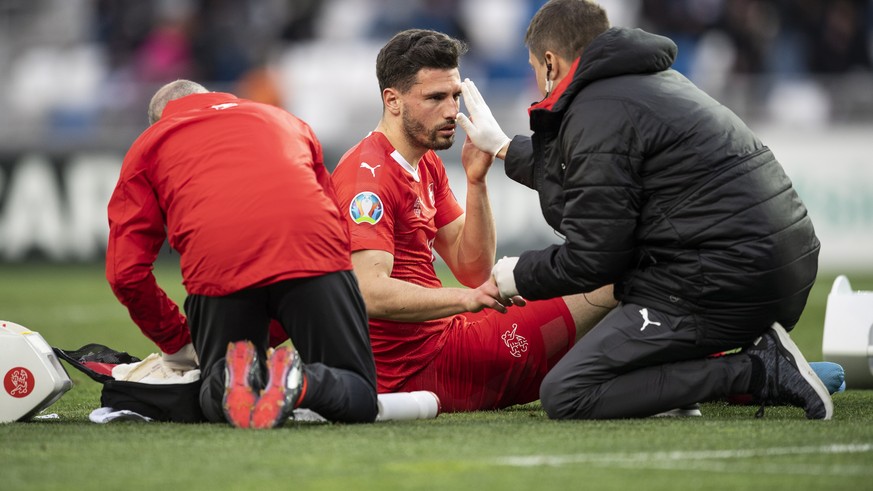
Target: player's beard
[430,139]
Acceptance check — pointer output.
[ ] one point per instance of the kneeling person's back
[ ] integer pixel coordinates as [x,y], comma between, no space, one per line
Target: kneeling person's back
[246,195]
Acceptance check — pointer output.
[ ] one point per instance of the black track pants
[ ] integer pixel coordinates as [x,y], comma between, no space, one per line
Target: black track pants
[326,320]
[638,362]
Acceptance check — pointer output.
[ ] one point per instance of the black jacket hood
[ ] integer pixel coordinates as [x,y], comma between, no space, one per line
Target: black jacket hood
[619,51]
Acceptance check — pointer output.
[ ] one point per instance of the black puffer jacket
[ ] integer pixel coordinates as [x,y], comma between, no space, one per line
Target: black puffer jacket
[664,192]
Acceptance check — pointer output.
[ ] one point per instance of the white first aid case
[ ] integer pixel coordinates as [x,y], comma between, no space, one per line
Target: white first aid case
[32,377]
[848,333]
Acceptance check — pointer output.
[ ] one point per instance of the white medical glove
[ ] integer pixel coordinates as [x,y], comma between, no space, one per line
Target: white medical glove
[481,126]
[505,277]
[183,360]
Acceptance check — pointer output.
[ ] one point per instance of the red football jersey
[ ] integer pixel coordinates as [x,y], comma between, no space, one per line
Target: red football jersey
[392,206]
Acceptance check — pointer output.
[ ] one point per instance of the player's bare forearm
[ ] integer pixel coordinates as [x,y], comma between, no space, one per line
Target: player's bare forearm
[397,300]
[469,243]
[478,241]
[401,301]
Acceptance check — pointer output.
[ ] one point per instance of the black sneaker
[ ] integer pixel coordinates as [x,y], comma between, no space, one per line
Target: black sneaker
[788,378]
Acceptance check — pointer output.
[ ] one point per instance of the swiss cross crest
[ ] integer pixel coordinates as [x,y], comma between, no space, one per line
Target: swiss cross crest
[516,343]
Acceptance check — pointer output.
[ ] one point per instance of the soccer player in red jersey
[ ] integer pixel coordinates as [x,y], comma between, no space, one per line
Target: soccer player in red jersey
[463,344]
[241,192]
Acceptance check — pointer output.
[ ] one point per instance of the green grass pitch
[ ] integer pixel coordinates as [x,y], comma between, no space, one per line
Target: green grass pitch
[518,448]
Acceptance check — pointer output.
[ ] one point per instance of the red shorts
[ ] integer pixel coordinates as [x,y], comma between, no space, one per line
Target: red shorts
[492,360]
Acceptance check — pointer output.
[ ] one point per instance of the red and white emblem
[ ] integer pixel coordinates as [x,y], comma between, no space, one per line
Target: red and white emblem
[516,343]
[18,382]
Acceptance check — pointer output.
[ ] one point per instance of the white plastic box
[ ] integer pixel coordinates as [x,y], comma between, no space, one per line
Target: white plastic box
[32,378]
[848,333]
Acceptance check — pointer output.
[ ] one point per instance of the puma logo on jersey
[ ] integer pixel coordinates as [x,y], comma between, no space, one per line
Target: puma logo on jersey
[645,313]
[371,169]
[226,105]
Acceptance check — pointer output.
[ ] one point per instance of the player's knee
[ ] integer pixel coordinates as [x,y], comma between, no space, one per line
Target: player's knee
[557,401]
[364,406]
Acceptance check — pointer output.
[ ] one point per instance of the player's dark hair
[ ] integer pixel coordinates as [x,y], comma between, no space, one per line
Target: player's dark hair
[565,27]
[409,51]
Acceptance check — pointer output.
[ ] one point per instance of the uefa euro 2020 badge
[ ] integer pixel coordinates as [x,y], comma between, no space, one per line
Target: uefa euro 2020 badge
[366,207]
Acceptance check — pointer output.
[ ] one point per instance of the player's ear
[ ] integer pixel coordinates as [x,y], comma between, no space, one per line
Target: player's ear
[391,101]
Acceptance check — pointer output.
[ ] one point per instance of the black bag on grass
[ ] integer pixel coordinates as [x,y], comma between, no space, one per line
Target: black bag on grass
[179,403]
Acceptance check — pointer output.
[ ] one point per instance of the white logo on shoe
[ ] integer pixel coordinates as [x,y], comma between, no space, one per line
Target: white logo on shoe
[516,343]
[645,313]
[371,169]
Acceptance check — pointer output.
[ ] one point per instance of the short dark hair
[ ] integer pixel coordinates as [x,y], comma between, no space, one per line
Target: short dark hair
[409,51]
[565,27]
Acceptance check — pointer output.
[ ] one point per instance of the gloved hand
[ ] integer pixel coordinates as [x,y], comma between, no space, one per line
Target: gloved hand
[183,360]
[505,277]
[483,130]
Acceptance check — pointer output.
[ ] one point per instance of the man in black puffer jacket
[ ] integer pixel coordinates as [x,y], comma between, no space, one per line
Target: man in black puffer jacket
[666,193]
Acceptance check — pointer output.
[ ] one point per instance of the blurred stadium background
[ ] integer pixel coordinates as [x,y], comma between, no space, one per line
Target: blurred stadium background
[76,75]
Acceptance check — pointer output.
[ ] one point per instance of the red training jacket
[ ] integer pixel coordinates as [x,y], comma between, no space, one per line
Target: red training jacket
[239,189]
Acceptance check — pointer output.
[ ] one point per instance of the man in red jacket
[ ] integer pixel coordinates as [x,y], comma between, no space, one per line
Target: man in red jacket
[239,189]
